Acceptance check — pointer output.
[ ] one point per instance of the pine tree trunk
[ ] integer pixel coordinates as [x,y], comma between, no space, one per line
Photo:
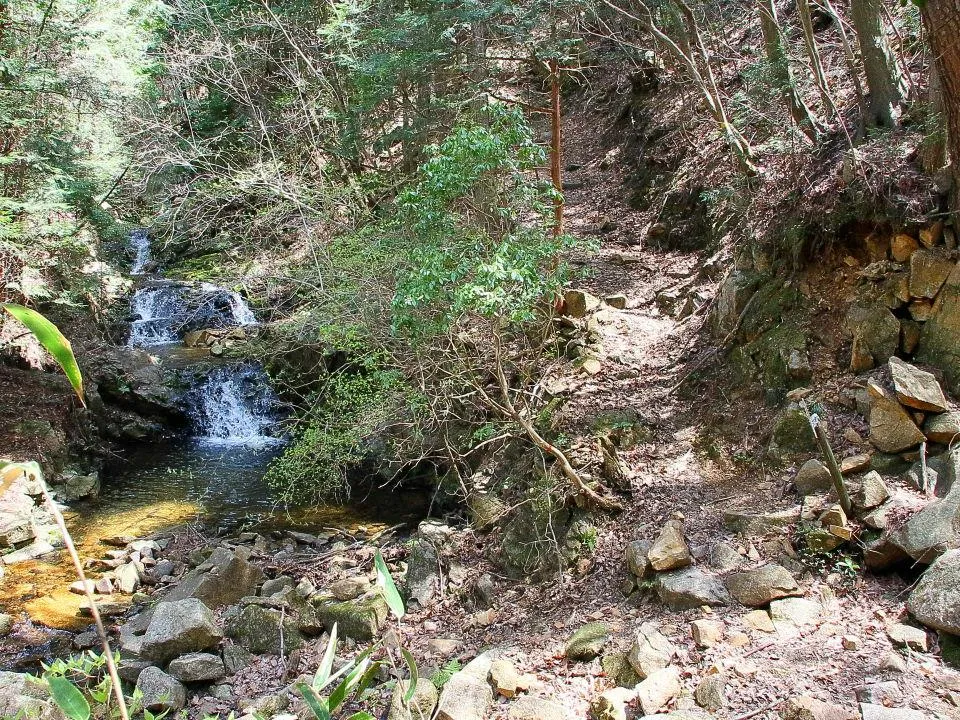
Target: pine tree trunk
[933,151]
[883,81]
[942,21]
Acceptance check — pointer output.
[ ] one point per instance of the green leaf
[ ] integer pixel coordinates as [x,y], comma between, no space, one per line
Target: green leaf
[317,706]
[326,665]
[390,592]
[69,699]
[53,340]
[362,715]
[343,690]
[414,675]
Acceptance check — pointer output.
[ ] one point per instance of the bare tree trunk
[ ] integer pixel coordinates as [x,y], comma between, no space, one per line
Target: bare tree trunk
[851,59]
[883,78]
[933,152]
[556,148]
[782,74]
[816,62]
[942,21]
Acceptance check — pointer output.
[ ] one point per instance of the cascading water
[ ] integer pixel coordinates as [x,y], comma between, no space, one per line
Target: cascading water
[233,405]
[140,244]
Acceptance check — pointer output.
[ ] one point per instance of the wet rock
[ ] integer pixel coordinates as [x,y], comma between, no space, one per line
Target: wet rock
[689,588]
[537,708]
[929,269]
[75,486]
[638,562]
[263,630]
[813,477]
[916,388]
[467,695]
[651,651]
[421,704]
[871,492]
[935,601]
[670,550]
[277,585]
[748,523]
[587,642]
[160,692]
[908,636]
[808,708]
[579,303]
[360,619]
[658,689]
[179,627]
[197,667]
[711,692]
[759,586]
[892,430]
[221,579]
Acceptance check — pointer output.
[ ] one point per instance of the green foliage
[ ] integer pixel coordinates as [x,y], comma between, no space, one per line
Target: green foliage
[53,341]
[477,227]
[69,699]
[442,676]
[388,587]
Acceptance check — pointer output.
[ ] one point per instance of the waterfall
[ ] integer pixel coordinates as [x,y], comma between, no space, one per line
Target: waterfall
[140,243]
[166,309]
[233,405]
[155,308]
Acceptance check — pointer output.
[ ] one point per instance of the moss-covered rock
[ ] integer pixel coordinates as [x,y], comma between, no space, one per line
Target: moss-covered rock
[616,667]
[358,619]
[534,539]
[587,642]
[791,431]
[263,629]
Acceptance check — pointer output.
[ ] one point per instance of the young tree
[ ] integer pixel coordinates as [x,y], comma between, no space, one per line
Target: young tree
[883,79]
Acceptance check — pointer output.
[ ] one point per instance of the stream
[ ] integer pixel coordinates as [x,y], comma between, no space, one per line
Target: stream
[212,477]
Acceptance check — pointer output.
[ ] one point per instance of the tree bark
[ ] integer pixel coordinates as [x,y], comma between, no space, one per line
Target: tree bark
[883,80]
[782,74]
[942,21]
[816,62]
[933,151]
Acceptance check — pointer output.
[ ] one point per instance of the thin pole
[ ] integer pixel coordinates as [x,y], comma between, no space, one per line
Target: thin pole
[555,148]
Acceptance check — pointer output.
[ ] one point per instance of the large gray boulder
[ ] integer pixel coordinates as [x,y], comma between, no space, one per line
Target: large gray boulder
[762,585]
[160,691]
[690,588]
[875,330]
[892,430]
[423,573]
[467,695]
[940,338]
[24,696]
[935,601]
[177,628]
[197,667]
[360,619]
[932,530]
[224,578]
[651,651]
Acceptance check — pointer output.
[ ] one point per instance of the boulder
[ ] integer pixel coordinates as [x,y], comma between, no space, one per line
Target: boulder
[360,619]
[579,303]
[670,550]
[875,330]
[689,588]
[935,601]
[942,428]
[277,585]
[160,692]
[870,493]
[349,588]
[505,679]
[587,642]
[908,636]
[711,692]
[813,477]
[222,579]
[929,269]
[467,695]
[902,246]
[932,530]
[197,667]
[791,430]
[658,689]
[638,562]
[724,557]
[761,585]
[869,711]
[420,706]
[940,337]
[892,430]
[916,388]
[650,651]
[537,708]
[795,612]
[706,633]
[179,627]
[262,629]
[24,696]
[423,573]
[75,486]
[749,523]
[808,708]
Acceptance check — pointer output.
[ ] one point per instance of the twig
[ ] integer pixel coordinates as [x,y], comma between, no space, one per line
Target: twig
[754,713]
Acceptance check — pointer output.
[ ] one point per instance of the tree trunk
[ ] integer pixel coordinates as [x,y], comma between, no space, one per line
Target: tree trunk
[942,21]
[883,80]
[933,151]
[782,74]
[816,62]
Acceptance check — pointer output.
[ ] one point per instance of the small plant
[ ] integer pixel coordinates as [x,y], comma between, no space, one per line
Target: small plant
[442,676]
